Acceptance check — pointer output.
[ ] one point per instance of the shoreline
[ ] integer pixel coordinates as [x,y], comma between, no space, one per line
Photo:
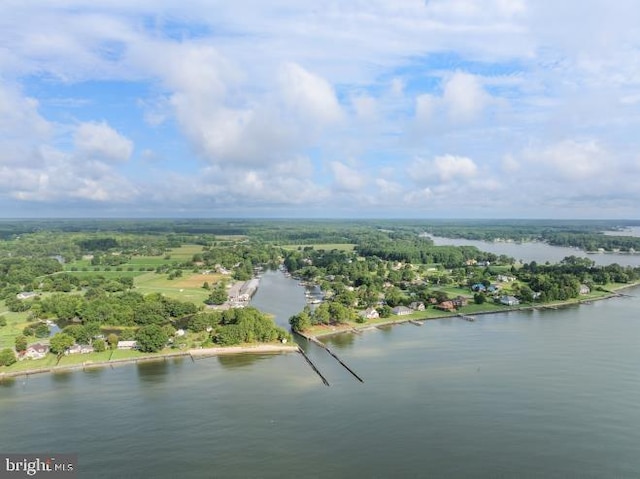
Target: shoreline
[359,328]
[194,354]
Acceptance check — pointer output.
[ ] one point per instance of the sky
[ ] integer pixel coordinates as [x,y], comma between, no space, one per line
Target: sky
[296,108]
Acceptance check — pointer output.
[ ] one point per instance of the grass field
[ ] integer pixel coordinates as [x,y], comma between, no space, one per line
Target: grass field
[188,288]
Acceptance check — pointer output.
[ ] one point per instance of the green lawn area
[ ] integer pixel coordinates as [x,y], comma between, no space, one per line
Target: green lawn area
[15,324]
[158,283]
[185,252]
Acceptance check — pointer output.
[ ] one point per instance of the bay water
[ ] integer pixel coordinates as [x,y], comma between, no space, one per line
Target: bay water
[521,394]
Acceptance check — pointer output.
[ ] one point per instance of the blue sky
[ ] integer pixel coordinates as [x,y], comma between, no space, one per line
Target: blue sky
[379,108]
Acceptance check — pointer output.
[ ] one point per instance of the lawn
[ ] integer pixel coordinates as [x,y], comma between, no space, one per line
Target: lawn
[187,288]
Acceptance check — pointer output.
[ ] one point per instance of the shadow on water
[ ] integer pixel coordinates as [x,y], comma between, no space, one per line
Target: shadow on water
[239,360]
[62,377]
[340,341]
[9,382]
[153,372]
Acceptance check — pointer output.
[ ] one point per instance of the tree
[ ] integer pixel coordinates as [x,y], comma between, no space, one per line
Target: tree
[300,321]
[21,343]
[7,357]
[60,342]
[99,345]
[479,298]
[151,338]
[112,340]
[218,295]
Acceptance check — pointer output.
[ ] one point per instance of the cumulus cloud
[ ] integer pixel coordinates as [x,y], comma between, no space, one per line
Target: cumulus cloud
[309,96]
[347,178]
[445,168]
[572,159]
[464,97]
[98,141]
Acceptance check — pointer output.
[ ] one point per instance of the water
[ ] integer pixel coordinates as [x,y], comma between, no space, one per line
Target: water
[540,252]
[522,394]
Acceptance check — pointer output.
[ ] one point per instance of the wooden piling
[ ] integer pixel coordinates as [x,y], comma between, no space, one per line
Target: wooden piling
[313,366]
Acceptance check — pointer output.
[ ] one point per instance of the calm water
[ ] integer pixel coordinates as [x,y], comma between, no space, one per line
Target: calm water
[531,394]
[540,252]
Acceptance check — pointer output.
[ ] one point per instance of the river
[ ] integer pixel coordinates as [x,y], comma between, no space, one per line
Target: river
[540,252]
[549,394]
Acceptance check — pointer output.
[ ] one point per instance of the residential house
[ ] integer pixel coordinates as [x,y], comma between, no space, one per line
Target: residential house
[459,302]
[369,313]
[79,349]
[509,300]
[26,295]
[584,289]
[401,311]
[503,278]
[36,351]
[127,344]
[446,306]
[417,306]
[478,287]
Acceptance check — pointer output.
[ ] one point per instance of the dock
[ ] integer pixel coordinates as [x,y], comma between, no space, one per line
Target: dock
[467,318]
[415,323]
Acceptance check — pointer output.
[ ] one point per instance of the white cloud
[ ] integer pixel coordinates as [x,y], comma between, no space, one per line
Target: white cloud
[463,97]
[347,178]
[98,141]
[309,96]
[573,160]
[445,168]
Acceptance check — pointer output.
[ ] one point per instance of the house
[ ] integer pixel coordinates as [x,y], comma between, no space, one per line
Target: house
[369,313]
[127,344]
[505,279]
[36,351]
[401,311]
[417,306]
[584,289]
[509,300]
[26,295]
[79,349]
[478,287]
[459,302]
[446,306]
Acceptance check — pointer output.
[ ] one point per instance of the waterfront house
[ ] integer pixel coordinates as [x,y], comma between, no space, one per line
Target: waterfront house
[446,306]
[459,302]
[417,306]
[509,300]
[478,287]
[127,344]
[36,351]
[584,289]
[79,349]
[369,313]
[401,310]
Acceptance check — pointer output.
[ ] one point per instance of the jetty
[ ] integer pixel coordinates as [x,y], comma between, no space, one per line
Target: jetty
[313,366]
[335,356]
[467,318]
[415,323]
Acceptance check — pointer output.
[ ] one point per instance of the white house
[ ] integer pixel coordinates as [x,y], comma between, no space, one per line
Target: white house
[370,313]
[36,351]
[417,306]
[127,344]
[509,300]
[401,311]
[79,349]
[584,289]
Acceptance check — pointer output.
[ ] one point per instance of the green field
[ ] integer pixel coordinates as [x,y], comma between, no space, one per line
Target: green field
[188,288]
